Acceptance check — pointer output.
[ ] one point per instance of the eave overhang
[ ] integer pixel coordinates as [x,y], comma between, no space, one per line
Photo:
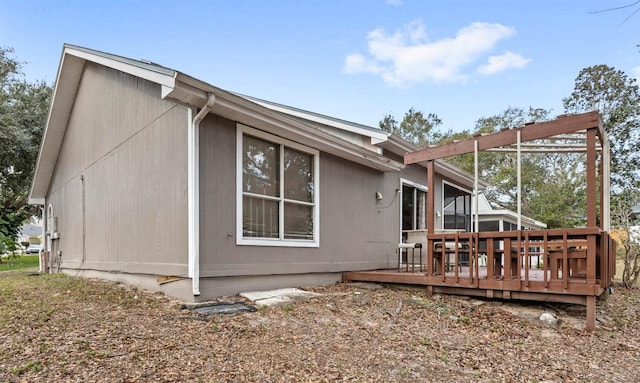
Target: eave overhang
[299,127]
[503,213]
[191,92]
[70,70]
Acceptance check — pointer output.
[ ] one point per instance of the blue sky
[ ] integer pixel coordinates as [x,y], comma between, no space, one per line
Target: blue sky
[355,60]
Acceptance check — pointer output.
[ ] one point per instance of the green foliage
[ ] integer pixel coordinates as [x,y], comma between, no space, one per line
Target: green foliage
[553,185]
[552,189]
[622,209]
[414,127]
[617,97]
[23,112]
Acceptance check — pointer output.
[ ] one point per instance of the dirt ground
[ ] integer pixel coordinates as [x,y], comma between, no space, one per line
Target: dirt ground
[56,328]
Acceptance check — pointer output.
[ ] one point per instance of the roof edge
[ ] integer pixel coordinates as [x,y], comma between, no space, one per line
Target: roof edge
[72,61]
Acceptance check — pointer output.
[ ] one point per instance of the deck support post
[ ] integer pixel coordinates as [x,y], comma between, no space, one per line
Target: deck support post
[591,178]
[591,312]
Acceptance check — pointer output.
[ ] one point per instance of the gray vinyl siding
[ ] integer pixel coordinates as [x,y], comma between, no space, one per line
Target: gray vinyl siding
[131,149]
[355,234]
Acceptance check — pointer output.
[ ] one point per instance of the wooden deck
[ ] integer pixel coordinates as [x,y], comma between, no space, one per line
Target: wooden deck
[563,265]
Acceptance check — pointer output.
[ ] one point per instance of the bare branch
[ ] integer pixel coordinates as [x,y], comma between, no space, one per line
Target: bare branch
[621,7]
[616,8]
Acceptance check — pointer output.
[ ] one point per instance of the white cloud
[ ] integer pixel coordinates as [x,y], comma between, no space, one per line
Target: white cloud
[504,62]
[356,63]
[395,3]
[408,56]
[635,72]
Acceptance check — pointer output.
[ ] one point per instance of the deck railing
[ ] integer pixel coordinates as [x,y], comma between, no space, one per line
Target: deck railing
[567,261]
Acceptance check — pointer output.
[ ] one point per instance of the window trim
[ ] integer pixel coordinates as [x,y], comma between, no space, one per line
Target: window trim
[278,242]
[472,216]
[416,186]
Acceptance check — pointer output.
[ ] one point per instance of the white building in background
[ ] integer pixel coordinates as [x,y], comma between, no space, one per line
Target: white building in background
[491,219]
[31,233]
[634,231]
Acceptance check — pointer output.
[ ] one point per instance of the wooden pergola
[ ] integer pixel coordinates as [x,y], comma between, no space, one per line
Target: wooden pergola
[578,264]
[588,124]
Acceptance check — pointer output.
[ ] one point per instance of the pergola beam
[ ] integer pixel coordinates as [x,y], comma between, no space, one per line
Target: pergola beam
[562,125]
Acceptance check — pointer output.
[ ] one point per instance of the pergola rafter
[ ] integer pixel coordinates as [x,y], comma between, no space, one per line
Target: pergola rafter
[584,128]
[568,124]
[578,264]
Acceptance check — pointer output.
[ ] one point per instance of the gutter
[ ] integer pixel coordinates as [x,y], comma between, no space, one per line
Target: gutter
[194,191]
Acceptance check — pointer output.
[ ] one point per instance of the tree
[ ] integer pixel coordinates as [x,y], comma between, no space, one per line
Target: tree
[414,127]
[23,112]
[623,211]
[539,199]
[617,97]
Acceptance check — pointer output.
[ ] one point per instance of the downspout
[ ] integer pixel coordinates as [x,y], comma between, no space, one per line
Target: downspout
[193,165]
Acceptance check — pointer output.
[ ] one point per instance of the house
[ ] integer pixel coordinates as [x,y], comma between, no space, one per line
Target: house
[155,178]
[491,219]
[30,233]
[634,230]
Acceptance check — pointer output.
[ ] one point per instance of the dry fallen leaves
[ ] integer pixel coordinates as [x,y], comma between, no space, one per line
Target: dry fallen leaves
[56,328]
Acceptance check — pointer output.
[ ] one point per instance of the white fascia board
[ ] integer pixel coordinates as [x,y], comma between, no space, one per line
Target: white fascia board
[69,73]
[166,78]
[451,171]
[376,137]
[187,89]
[36,201]
[62,99]
[503,213]
[323,141]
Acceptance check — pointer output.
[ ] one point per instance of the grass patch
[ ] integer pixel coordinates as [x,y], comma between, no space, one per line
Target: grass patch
[34,366]
[19,262]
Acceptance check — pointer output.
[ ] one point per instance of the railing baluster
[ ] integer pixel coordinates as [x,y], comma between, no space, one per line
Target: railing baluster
[527,260]
[565,263]
[546,259]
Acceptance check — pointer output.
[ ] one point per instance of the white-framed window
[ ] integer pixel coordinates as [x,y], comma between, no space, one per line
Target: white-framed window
[277,191]
[414,205]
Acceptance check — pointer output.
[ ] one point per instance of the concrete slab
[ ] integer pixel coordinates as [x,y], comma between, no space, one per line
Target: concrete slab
[224,308]
[273,302]
[279,296]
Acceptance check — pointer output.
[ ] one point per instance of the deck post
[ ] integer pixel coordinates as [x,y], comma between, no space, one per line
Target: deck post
[431,199]
[591,313]
[430,217]
[591,178]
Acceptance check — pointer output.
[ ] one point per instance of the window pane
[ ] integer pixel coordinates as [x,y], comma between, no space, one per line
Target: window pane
[407,207]
[421,219]
[489,226]
[298,175]
[457,208]
[298,221]
[260,167]
[259,218]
